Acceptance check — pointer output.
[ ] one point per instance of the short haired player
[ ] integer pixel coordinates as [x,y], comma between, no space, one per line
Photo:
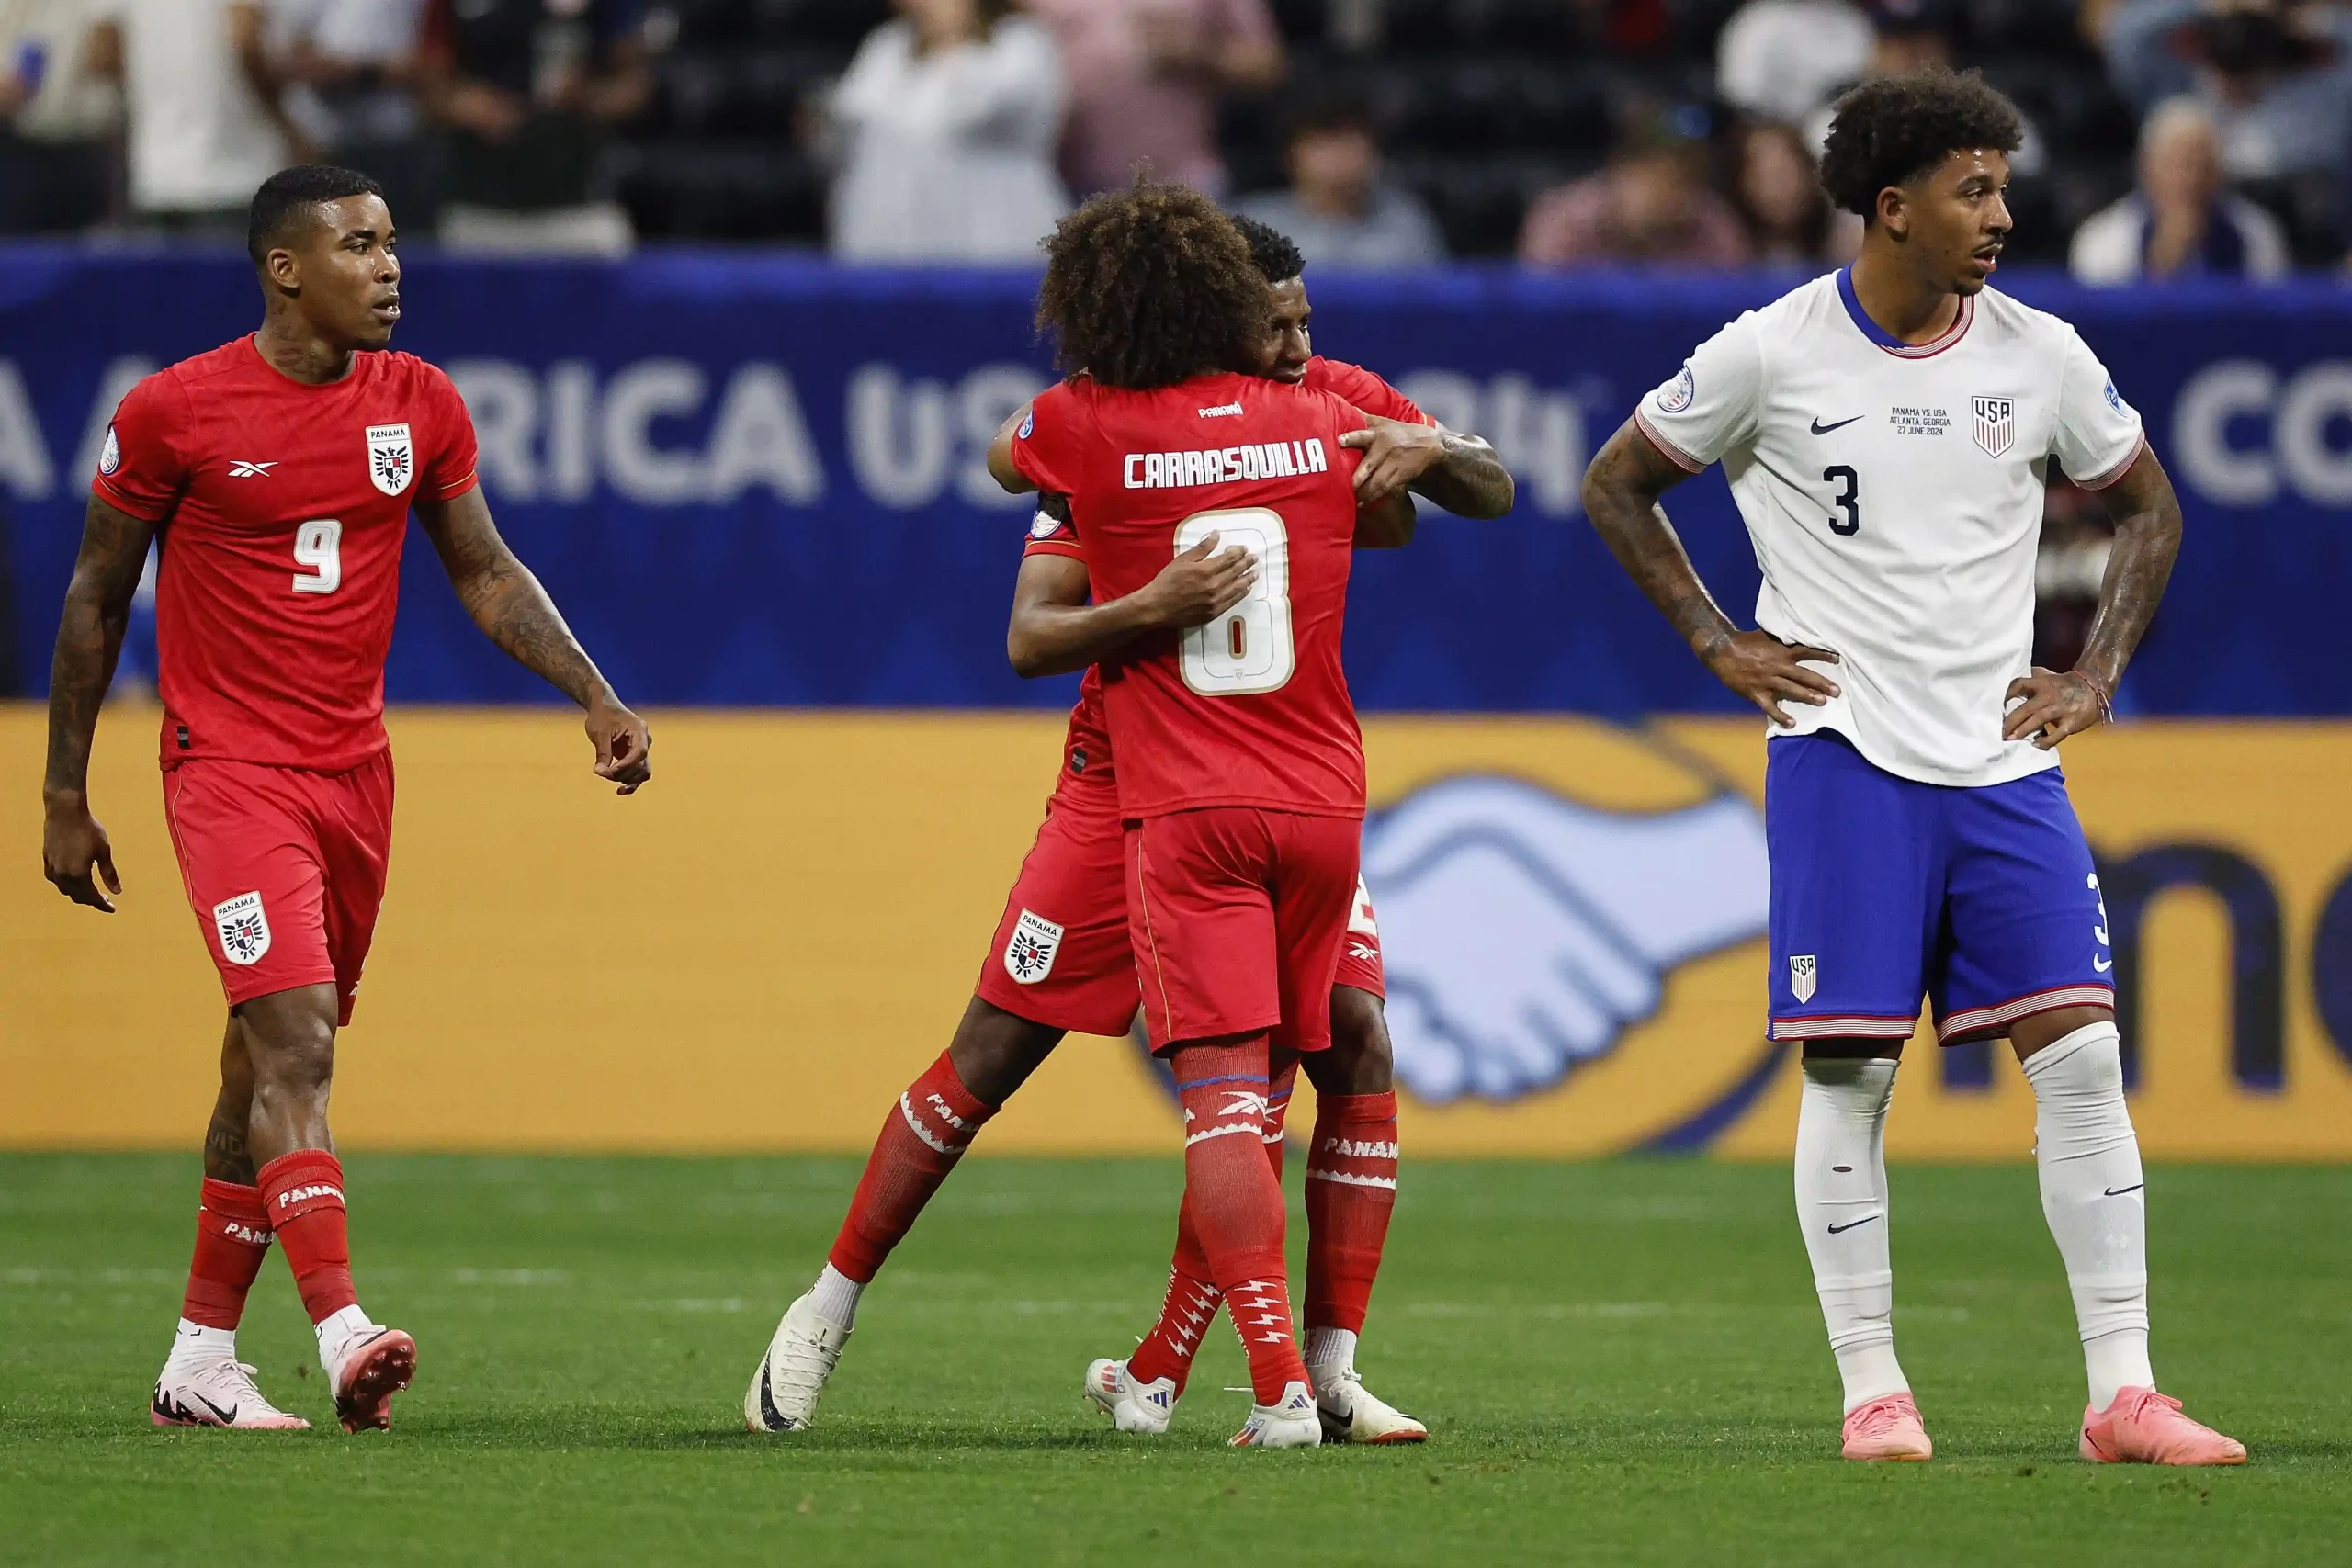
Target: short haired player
[279,473]
[1885,430]
[1062,961]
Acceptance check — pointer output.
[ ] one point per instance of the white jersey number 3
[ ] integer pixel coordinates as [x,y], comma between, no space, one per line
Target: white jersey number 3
[1249,649]
[319,546]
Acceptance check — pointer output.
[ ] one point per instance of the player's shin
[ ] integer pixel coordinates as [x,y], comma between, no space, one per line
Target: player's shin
[1351,1192]
[922,1137]
[1237,1204]
[2093,1195]
[232,1235]
[1842,1204]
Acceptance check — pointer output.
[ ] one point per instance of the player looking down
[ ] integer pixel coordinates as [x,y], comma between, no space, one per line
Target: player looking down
[1061,960]
[279,473]
[1885,431]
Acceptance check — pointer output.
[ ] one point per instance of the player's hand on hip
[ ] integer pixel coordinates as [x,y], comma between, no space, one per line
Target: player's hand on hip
[1201,584]
[1395,454]
[624,746]
[2052,705]
[1768,673]
[75,855]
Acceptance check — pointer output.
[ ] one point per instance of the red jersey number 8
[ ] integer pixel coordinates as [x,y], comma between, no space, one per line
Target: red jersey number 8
[1249,649]
[319,546]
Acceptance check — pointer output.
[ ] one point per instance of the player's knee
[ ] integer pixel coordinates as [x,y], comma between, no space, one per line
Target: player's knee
[1361,1060]
[290,1044]
[994,1051]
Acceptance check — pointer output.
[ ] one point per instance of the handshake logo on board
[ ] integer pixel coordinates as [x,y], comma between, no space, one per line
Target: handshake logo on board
[1524,934]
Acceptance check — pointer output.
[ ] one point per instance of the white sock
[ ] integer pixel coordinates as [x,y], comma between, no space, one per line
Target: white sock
[834,1297]
[195,1344]
[1329,1351]
[1841,1203]
[2096,1201]
[336,1330]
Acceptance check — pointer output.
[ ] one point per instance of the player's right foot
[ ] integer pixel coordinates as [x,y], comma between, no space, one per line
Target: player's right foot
[1353,1414]
[2144,1426]
[1887,1428]
[1291,1423]
[366,1370]
[218,1392]
[1141,1407]
[791,1377]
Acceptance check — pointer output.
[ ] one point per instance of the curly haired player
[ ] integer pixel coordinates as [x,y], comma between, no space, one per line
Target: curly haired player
[1885,430]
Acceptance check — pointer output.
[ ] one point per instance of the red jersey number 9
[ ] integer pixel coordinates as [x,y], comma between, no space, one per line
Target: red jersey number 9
[319,546]
[1249,649]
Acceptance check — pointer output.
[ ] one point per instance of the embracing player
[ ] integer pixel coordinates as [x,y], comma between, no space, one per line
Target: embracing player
[279,473]
[1061,960]
[1885,431]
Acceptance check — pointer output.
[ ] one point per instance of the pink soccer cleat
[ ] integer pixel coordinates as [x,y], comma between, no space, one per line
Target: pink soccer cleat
[370,1367]
[2144,1426]
[1887,1428]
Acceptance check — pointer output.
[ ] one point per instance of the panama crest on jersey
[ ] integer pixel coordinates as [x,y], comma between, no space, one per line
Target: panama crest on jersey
[1029,956]
[1804,976]
[1997,424]
[391,458]
[243,926]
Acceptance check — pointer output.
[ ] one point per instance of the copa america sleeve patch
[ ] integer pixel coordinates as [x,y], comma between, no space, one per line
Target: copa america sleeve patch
[1044,525]
[1029,956]
[110,455]
[1028,423]
[1680,393]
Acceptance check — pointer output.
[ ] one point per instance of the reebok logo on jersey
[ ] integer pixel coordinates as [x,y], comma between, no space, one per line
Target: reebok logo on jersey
[240,469]
[294,1195]
[1225,464]
[243,926]
[1223,411]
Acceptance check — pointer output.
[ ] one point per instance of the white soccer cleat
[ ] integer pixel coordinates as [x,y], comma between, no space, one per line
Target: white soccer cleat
[365,1370]
[1293,1422]
[1353,1414]
[217,1393]
[791,1377]
[1145,1408]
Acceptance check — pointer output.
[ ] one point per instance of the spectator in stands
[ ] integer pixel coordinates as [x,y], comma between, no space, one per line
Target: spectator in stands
[1916,35]
[1338,209]
[351,69]
[59,103]
[207,110]
[949,116]
[1776,189]
[1783,59]
[1145,77]
[531,91]
[2182,220]
[1650,204]
[2277,77]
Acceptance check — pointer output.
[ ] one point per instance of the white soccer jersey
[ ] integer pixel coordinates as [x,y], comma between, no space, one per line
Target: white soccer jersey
[1894,494]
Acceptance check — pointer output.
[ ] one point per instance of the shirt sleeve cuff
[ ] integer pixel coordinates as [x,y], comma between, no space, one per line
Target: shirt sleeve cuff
[456,487]
[146,512]
[1672,453]
[2101,481]
[1054,548]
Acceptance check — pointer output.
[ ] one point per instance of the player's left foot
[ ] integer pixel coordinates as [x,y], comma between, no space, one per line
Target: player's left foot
[2144,1426]
[1353,1414]
[1887,1428]
[217,1393]
[791,1377]
[1291,1423]
[1145,1408]
[366,1370]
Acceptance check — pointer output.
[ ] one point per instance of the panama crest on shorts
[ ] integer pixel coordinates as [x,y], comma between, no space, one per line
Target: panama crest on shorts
[243,927]
[1029,956]
[1805,974]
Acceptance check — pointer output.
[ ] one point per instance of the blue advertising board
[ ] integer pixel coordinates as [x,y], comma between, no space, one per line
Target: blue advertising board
[753,480]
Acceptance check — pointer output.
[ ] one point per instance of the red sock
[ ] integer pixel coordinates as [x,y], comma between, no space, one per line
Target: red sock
[302,1193]
[1351,1191]
[1193,1297]
[933,1122]
[1237,1203]
[231,1240]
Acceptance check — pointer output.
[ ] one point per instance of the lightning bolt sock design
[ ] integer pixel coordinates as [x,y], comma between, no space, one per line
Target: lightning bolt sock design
[921,1138]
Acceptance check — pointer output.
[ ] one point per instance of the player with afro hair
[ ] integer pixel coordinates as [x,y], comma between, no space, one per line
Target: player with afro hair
[1151,286]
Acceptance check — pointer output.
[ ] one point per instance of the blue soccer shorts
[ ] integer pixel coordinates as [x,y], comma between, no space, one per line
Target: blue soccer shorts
[1982,899]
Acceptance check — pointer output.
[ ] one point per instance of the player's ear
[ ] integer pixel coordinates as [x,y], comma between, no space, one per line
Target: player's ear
[282,269]
[1895,211]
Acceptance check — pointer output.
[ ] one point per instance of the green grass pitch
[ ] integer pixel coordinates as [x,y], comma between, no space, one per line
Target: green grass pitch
[1621,1363]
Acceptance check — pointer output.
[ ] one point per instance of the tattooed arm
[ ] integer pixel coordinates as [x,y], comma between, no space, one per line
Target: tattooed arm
[89,639]
[1459,472]
[1621,496]
[507,603]
[2056,704]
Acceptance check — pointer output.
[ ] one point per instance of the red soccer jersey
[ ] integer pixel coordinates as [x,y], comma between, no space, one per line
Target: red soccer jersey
[1252,709]
[1090,738]
[282,507]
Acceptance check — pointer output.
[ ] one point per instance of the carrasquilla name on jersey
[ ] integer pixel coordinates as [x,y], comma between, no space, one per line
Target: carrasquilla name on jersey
[1226,465]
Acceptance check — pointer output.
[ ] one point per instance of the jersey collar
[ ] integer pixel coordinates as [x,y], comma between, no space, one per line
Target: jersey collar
[1888,341]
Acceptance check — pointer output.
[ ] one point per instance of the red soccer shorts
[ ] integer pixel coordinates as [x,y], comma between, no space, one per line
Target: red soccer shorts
[285,870]
[1238,916]
[1061,955]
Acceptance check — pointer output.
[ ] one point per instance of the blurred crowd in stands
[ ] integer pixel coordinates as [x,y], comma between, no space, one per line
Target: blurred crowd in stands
[2168,138]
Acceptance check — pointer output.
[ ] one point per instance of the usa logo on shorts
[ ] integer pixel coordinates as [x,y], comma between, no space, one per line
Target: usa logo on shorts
[1997,424]
[1029,956]
[1804,976]
[243,927]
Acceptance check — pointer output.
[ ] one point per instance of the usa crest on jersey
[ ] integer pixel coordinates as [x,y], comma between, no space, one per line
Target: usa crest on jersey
[391,458]
[1997,424]
[243,926]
